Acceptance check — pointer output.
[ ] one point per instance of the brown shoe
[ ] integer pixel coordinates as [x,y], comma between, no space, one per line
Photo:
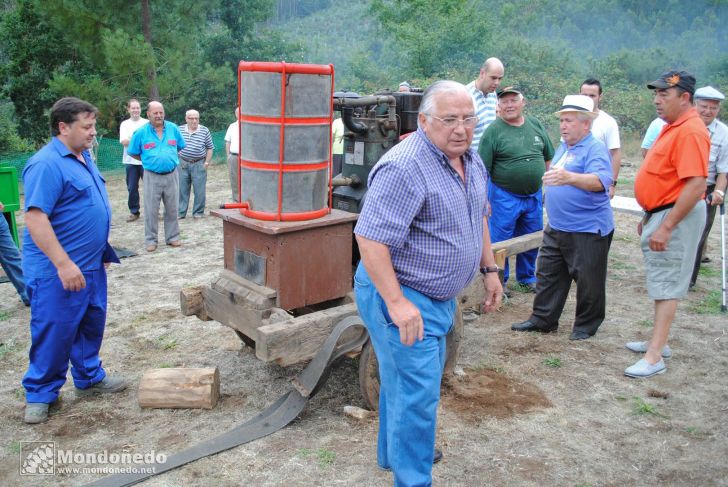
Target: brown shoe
[151,248]
[176,243]
[132,218]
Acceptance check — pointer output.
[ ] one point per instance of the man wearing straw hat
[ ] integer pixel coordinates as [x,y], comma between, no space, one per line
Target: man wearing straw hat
[670,186]
[579,233]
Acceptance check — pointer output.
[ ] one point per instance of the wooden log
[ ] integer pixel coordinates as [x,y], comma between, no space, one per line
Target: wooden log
[179,388]
[191,302]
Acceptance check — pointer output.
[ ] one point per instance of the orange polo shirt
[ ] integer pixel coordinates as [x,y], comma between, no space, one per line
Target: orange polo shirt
[680,152]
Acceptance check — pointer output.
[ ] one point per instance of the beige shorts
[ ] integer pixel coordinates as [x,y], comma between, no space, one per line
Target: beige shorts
[668,272]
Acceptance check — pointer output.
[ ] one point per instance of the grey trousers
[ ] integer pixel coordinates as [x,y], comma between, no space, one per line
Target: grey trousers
[192,176]
[164,188]
[232,162]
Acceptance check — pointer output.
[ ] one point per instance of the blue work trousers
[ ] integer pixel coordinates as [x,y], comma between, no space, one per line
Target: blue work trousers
[10,259]
[409,378]
[192,176]
[65,325]
[513,215]
[134,173]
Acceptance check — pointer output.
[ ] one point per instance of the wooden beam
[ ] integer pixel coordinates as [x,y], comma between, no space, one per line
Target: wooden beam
[514,246]
[299,339]
[179,388]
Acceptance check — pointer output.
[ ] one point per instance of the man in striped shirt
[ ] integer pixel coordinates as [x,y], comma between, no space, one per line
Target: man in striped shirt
[193,162]
[482,91]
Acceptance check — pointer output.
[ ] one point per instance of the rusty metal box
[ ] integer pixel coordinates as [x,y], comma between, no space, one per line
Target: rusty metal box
[306,263]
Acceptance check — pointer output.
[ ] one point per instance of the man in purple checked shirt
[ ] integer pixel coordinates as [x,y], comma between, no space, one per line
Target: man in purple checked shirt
[423,237]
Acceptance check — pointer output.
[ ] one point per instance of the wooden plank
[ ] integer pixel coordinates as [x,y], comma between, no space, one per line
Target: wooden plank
[179,388]
[520,244]
[298,339]
[266,292]
[623,204]
[240,292]
[222,307]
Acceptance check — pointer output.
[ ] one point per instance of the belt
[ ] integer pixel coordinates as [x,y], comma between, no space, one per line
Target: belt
[233,153]
[660,208]
[163,173]
[192,161]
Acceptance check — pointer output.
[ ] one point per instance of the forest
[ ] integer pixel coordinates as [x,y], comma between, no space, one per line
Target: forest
[185,52]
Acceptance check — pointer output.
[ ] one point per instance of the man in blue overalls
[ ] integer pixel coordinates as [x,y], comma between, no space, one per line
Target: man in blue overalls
[65,255]
[421,243]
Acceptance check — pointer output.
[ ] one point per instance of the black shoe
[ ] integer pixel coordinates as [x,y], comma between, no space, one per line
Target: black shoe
[530,326]
[579,335]
[438,456]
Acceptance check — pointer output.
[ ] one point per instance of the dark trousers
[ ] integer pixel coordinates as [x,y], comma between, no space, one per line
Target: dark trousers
[567,256]
[708,225]
[134,173]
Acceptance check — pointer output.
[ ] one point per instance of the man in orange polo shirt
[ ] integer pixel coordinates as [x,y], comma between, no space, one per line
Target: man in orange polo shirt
[670,186]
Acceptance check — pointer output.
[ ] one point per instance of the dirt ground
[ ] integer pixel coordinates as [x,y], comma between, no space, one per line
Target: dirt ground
[524,409]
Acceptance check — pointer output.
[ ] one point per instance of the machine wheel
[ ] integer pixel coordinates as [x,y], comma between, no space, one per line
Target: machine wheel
[369,368]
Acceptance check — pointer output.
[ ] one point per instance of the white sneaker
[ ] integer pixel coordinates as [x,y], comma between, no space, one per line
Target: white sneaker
[643,369]
[641,347]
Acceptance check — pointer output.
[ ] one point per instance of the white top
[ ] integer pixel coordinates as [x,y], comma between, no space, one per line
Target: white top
[605,128]
[126,130]
[233,136]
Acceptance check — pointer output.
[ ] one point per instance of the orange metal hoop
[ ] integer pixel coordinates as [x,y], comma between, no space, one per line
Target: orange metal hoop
[293,123]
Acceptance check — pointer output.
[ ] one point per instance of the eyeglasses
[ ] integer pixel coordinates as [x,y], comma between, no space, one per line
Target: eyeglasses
[452,122]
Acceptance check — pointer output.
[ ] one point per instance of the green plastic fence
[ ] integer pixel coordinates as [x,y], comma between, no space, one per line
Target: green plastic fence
[108,155]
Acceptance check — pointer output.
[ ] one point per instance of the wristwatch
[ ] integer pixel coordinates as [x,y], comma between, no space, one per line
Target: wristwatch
[488,269]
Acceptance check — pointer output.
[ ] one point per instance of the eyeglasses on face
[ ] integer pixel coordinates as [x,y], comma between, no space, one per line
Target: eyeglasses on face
[452,122]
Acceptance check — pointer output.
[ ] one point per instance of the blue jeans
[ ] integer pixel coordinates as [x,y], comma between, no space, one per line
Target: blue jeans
[409,378]
[134,173]
[192,175]
[514,215]
[10,259]
[65,325]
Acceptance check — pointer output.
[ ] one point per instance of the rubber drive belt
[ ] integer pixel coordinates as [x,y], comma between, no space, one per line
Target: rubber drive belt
[274,417]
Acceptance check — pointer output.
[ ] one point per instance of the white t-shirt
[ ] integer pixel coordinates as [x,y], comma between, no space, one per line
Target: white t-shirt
[233,136]
[126,130]
[605,128]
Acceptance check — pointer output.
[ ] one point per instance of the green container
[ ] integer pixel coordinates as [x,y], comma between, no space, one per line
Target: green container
[10,198]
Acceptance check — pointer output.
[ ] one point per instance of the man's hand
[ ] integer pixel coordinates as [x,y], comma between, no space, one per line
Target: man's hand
[658,240]
[611,192]
[557,177]
[2,207]
[408,319]
[639,228]
[715,200]
[493,292]
[71,277]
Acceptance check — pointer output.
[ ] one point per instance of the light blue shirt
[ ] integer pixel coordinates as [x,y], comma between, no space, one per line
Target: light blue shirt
[572,209]
[652,132]
[157,155]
